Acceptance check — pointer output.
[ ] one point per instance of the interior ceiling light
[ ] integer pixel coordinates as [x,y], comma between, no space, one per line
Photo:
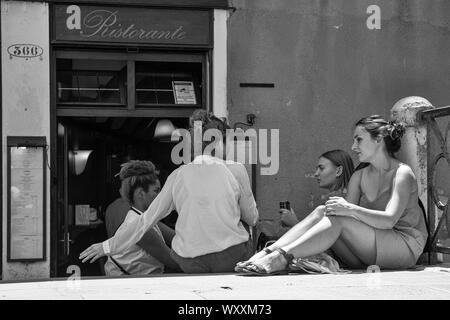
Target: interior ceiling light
[78,160]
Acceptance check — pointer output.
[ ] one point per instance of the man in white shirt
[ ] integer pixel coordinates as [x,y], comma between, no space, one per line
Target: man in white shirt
[211,197]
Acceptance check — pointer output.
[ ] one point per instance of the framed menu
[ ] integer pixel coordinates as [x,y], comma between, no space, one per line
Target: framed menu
[184,92]
[26,161]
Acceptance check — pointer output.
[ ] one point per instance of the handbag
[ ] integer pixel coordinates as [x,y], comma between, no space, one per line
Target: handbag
[318,264]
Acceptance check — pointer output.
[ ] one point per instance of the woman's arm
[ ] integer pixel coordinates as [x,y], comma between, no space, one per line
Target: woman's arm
[354,188]
[157,248]
[403,183]
[133,231]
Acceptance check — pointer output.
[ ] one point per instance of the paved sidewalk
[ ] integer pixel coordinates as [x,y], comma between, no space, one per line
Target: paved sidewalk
[429,283]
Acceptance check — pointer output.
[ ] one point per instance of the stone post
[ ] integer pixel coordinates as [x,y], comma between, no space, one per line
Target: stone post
[414,143]
[414,147]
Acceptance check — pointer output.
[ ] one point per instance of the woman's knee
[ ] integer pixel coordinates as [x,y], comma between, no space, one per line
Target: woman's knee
[333,219]
[319,212]
[342,221]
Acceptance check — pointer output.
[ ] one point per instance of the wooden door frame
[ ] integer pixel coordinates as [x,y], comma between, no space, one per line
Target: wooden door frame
[1,160]
[56,113]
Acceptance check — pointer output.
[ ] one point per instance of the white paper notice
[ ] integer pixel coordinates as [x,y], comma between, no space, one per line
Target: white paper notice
[26,247]
[184,92]
[26,194]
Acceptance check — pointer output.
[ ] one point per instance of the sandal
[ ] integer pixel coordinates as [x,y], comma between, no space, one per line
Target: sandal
[249,272]
[253,269]
[242,264]
[289,257]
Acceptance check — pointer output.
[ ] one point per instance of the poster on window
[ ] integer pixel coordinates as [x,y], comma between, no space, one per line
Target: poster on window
[184,92]
[26,221]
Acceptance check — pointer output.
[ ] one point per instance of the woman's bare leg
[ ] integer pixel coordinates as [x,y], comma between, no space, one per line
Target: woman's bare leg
[359,236]
[345,255]
[293,234]
[300,228]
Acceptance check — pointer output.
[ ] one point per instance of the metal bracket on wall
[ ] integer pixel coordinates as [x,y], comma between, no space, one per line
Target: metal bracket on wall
[250,121]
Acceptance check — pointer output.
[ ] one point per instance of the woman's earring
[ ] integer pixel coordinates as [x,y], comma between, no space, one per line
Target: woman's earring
[379,139]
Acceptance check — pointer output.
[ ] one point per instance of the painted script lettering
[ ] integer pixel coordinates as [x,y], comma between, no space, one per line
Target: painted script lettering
[106,24]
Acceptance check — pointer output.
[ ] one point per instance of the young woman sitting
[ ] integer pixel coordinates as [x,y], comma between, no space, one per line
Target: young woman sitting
[140,186]
[333,171]
[379,222]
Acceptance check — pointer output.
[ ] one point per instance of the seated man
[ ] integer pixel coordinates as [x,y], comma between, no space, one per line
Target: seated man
[140,186]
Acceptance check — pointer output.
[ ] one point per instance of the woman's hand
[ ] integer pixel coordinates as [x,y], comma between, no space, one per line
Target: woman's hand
[288,218]
[94,252]
[338,206]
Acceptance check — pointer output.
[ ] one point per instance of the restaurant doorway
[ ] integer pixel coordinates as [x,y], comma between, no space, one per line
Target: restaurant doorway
[107,104]
[89,153]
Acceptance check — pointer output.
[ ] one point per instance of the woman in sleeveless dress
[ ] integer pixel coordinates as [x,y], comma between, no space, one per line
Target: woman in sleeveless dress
[378,223]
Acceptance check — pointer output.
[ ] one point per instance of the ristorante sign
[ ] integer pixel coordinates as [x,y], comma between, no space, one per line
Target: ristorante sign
[132,25]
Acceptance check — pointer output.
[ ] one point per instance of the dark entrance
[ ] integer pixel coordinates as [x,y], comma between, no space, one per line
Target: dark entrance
[106,108]
[90,152]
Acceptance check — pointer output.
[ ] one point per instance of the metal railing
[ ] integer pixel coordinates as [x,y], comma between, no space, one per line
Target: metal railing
[436,224]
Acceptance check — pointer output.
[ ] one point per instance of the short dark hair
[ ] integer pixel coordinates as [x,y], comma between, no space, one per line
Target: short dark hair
[391,131]
[208,121]
[136,174]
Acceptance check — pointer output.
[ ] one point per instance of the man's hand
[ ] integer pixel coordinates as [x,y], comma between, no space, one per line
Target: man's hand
[93,253]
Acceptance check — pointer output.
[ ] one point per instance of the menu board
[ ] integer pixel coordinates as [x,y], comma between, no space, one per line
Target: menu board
[26,203]
[184,92]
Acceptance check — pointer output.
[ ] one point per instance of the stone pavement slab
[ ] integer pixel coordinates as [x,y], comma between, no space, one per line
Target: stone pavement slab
[428,283]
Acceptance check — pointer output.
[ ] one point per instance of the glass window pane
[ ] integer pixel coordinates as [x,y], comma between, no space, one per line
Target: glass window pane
[91,81]
[155,83]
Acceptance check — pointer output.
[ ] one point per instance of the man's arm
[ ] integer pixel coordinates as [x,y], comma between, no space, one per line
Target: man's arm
[156,247]
[247,203]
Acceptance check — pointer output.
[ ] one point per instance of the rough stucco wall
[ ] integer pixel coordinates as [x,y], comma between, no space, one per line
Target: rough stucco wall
[329,70]
[25,105]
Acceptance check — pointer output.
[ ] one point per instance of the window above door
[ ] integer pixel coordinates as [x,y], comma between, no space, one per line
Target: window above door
[129,81]
[168,83]
[91,82]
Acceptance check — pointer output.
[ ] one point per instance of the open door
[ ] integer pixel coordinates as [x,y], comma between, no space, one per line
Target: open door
[85,189]
[77,181]
[63,235]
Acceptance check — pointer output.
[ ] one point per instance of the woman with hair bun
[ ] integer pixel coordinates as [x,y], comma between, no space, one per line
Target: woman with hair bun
[213,198]
[379,222]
